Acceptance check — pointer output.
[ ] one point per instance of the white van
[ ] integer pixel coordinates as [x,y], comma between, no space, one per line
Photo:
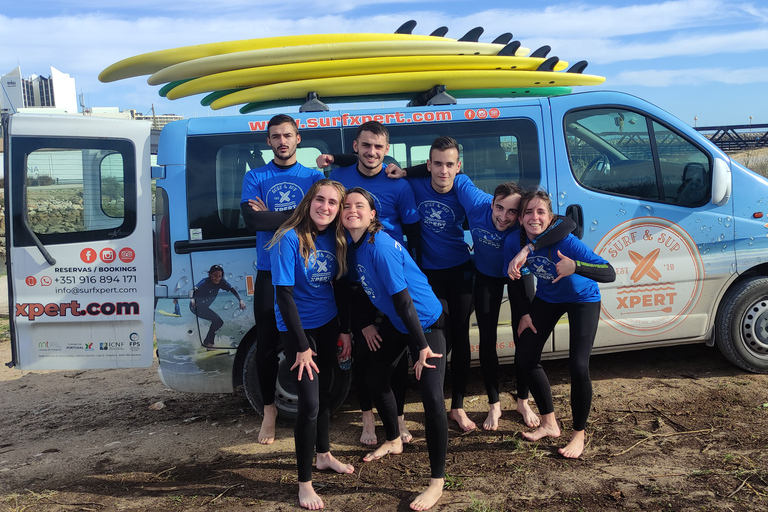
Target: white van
[683,225]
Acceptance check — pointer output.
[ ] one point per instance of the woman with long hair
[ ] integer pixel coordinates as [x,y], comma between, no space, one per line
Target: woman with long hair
[413,318]
[307,253]
[567,274]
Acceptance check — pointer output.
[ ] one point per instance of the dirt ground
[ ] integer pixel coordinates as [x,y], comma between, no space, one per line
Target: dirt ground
[671,429]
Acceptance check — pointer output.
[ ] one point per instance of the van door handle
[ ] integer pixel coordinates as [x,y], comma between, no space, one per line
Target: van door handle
[575,213]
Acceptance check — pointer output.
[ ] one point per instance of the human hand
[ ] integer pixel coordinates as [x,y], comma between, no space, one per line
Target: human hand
[525,323]
[372,338]
[513,271]
[424,354]
[346,345]
[324,160]
[565,267]
[242,304]
[304,362]
[394,171]
[258,205]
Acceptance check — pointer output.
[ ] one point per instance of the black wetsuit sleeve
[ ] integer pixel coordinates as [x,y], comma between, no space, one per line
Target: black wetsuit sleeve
[598,272]
[518,295]
[413,233]
[290,314]
[344,159]
[417,171]
[559,229]
[407,313]
[234,292]
[263,221]
[342,292]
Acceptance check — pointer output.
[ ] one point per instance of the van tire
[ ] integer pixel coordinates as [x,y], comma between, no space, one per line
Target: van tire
[741,325]
[286,400]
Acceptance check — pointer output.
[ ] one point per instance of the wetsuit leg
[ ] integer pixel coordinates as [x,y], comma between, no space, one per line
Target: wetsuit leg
[206,313]
[267,335]
[582,321]
[544,316]
[383,364]
[488,294]
[530,291]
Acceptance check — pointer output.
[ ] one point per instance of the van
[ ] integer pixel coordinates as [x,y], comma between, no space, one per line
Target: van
[91,275]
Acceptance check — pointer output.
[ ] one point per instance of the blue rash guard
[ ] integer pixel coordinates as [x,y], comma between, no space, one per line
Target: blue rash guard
[280,189]
[385,268]
[441,220]
[312,288]
[394,199]
[574,288]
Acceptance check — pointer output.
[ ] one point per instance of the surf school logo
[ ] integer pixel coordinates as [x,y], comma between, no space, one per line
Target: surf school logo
[436,215]
[658,276]
[285,196]
[321,268]
[487,238]
[368,284]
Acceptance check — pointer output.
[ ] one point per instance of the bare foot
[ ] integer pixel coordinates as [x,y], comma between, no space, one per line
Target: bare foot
[548,428]
[405,434]
[529,417]
[460,417]
[308,498]
[267,431]
[494,414]
[575,448]
[328,461]
[394,447]
[368,437]
[429,497]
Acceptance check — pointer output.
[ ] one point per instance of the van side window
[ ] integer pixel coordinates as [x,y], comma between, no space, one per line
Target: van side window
[625,153]
[491,152]
[216,165]
[76,190]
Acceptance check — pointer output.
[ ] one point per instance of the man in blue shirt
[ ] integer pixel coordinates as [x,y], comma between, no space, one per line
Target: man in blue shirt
[270,194]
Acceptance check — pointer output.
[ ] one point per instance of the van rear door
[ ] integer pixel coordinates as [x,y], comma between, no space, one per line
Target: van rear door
[79,242]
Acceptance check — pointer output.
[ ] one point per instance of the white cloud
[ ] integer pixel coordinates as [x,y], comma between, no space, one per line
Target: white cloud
[687,77]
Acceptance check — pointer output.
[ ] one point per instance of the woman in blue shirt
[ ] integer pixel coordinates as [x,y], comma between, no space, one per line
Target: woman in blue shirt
[413,318]
[306,254]
[567,274]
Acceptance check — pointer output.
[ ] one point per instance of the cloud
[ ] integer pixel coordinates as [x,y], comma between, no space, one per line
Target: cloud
[688,77]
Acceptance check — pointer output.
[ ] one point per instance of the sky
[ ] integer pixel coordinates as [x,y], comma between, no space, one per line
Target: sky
[702,60]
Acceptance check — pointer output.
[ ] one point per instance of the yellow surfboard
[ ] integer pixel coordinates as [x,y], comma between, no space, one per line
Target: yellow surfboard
[416,81]
[321,52]
[148,63]
[264,75]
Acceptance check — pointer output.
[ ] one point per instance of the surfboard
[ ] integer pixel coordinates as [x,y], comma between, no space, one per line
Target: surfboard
[393,83]
[505,92]
[166,313]
[263,75]
[152,62]
[193,68]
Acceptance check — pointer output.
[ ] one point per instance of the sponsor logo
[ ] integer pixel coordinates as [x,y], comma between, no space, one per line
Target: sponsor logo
[112,345]
[127,255]
[658,276]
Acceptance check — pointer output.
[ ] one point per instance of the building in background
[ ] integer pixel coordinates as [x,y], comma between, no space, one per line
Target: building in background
[55,93]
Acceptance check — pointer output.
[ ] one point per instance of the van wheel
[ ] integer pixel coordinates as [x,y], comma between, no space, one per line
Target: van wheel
[742,325]
[286,399]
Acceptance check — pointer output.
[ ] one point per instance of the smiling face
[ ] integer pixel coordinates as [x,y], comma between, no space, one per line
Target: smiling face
[216,276]
[324,207]
[505,211]
[357,214]
[537,216]
[283,140]
[370,149]
[443,167]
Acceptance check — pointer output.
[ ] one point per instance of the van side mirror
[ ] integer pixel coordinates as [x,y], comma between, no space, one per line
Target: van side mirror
[721,182]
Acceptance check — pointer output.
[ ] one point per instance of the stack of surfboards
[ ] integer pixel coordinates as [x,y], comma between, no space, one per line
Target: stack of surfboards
[280,71]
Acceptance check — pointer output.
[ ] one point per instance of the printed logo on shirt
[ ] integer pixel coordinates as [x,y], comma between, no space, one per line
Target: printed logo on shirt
[436,215]
[658,276]
[542,267]
[284,196]
[488,238]
[321,269]
[368,284]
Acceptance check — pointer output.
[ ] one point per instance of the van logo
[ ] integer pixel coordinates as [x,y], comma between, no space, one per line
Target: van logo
[659,275]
